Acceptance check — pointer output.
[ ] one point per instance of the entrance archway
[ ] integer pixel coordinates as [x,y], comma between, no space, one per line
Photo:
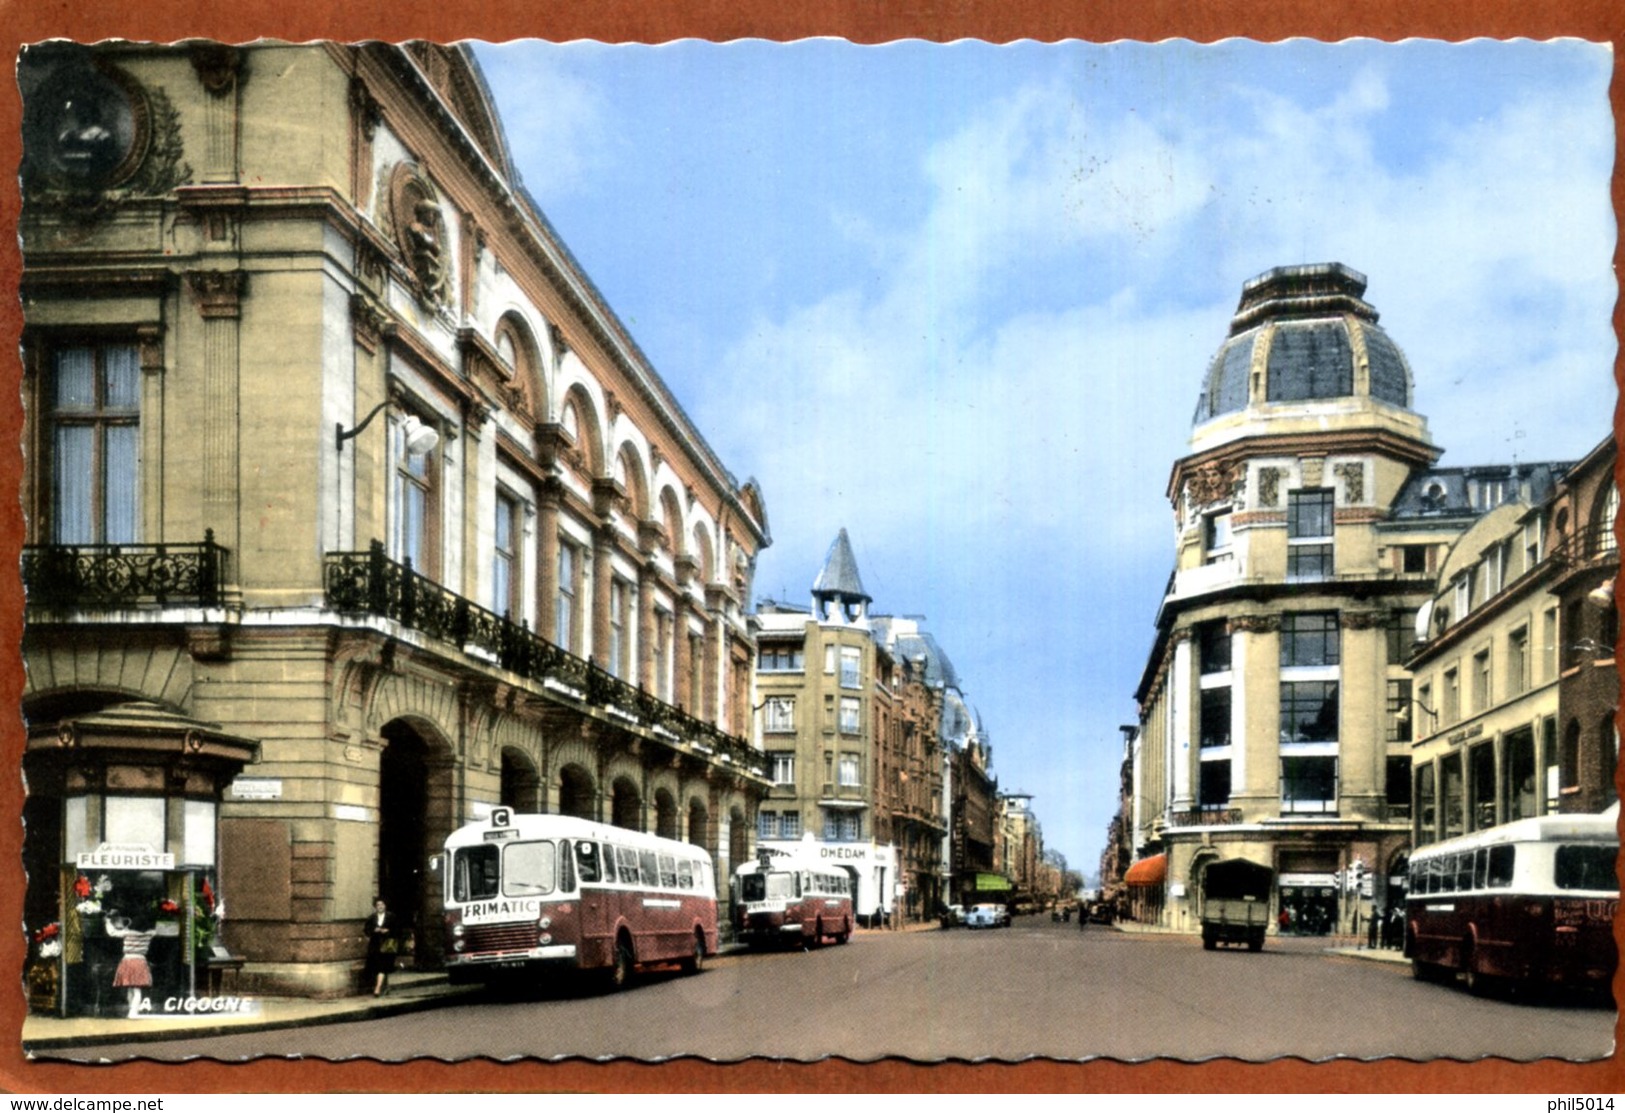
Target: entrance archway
[665,814]
[699,821]
[414,818]
[625,804]
[521,786]
[576,793]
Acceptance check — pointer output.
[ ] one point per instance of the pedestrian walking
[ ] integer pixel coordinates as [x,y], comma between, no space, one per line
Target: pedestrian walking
[383,944]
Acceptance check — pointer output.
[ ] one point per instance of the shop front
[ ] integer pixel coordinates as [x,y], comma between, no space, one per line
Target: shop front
[1308,903]
[123,811]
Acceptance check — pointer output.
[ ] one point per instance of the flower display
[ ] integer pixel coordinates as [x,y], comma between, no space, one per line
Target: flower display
[168,907]
[88,907]
[81,887]
[49,931]
[51,948]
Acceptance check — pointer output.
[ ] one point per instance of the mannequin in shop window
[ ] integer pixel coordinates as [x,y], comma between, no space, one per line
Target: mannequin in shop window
[133,973]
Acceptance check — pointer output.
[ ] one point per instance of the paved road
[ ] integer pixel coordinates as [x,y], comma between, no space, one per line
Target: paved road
[1037,989]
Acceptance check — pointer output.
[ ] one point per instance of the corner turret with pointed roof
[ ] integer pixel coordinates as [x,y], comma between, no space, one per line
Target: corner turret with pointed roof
[838,594]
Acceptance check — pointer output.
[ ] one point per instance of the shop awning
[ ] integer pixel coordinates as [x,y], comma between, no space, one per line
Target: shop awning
[1148,871]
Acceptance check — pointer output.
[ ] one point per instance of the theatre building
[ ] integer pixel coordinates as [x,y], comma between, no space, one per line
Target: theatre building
[353,512]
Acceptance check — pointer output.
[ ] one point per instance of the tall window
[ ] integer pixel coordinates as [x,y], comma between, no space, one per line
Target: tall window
[565,618]
[1414,559]
[1309,533]
[1451,711]
[841,826]
[696,673]
[849,715]
[1518,661]
[849,771]
[1452,804]
[1427,816]
[1215,717]
[1398,786]
[1213,645]
[1216,537]
[1519,801]
[1481,681]
[784,768]
[505,556]
[660,655]
[851,659]
[1308,785]
[620,595]
[779,715]
[95,439]
[1309,711]
[1399,711]
[1309,640]
[1401,634]
[417,506]
[1214,788]
[1548,644]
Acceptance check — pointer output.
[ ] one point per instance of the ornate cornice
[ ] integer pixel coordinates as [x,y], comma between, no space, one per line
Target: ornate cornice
[1255,623]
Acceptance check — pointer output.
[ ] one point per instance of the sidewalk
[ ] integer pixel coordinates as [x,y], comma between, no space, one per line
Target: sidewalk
[409,991]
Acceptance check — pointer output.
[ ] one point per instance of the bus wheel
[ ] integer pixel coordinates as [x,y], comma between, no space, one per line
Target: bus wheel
[620,974]
[1426,971]
[1479,984]
[695,962]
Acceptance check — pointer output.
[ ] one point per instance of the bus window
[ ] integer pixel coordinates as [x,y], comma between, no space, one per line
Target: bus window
[1586,866]
[1444,874]
[668,872]
[529,868]
[1500,872]
[586,858]
[1481,867]
[781,886]
[753,887]
[685,874]
[627,858]
[567,868]
[1464,871]
[648,868]
[474,873]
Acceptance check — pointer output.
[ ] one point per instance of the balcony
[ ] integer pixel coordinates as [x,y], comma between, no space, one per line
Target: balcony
[106,577]
[1586,547]
[1206,817]
[370,583]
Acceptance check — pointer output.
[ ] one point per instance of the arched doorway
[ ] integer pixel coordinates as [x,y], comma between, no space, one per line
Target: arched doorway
[665,814]
[625,804]
[699,822]
[521,786]
[576,795]
[414,818]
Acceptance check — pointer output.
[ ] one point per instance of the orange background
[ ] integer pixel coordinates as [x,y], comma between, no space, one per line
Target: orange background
[652,21]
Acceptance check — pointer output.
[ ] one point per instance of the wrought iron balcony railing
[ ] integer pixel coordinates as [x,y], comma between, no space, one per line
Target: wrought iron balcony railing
[1584,546]
[1205,817]
[69,577]
[371,583]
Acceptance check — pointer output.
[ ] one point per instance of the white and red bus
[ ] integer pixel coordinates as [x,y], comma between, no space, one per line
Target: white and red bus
[528,893]
[786,900]
[1529,903]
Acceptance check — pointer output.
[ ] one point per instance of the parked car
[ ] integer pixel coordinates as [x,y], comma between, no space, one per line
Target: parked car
[953,916]
[988,916]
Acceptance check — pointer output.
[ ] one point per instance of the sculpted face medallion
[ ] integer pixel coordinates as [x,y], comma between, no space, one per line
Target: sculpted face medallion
[85,128]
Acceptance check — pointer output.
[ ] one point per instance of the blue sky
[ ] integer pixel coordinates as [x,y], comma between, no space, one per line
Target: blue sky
[959,299]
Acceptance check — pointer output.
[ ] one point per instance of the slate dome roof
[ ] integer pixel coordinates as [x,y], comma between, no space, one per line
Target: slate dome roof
[1309,335]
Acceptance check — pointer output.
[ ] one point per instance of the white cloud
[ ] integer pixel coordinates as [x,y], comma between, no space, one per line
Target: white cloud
[560,137]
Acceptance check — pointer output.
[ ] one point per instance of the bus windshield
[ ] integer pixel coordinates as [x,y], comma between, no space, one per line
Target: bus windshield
[529,868]
[1586,866]
[521,869]
[765,886]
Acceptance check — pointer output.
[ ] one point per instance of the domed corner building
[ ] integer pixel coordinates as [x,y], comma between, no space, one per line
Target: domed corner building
[1311,524]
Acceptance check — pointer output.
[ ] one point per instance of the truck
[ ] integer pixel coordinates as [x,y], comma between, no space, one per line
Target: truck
[1236,903]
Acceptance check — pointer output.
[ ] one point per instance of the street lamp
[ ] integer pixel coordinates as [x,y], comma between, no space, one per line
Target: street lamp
[1403,715]
[420,439]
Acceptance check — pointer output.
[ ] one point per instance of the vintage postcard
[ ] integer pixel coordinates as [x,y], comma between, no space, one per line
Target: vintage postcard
[1087,553]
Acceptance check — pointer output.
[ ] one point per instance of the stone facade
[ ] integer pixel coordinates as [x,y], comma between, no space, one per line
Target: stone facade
[331,443]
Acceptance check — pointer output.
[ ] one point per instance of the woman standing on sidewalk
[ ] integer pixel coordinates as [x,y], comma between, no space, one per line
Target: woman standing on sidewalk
[382,944]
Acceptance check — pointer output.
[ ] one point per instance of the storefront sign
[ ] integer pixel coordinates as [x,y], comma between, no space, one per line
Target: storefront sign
[124,857]
[1306,880]
[256,788]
